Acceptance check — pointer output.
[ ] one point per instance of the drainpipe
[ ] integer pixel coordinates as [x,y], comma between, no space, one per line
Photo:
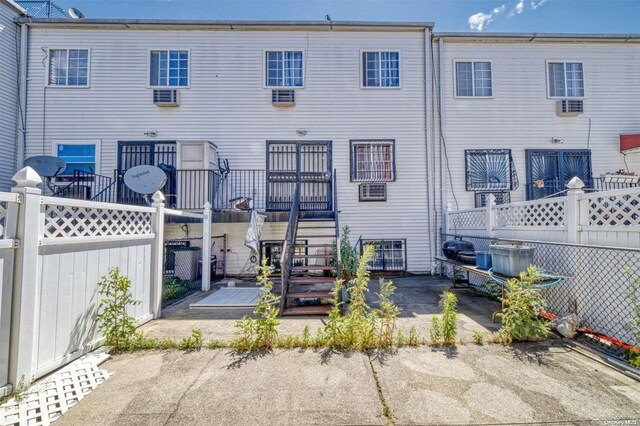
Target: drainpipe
[441,132]
[431,186]
[22,96]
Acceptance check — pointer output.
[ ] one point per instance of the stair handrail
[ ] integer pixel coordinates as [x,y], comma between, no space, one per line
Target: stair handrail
[334,187]
[288,246]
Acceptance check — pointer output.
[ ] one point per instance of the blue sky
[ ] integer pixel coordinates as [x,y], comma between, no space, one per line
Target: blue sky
[567,16]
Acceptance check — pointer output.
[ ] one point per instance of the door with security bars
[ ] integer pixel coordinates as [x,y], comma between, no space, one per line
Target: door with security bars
[306,162]
[549,170]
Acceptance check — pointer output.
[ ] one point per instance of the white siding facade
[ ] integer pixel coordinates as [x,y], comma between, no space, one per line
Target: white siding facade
[9,52]
[227,103]
[521,116]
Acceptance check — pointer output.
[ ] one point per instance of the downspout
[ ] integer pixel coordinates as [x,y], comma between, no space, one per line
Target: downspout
[433,224]
[441,131]
[22,96]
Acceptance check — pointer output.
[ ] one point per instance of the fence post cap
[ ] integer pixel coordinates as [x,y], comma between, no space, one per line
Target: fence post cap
[207,206]
[575,183]
[158,198]
[27,178]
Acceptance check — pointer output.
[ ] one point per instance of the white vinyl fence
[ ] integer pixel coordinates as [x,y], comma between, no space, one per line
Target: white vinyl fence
[53,252]
[608,218]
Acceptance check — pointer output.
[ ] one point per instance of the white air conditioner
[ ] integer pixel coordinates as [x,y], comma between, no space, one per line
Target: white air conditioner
[280,97]
[570,107]
[166,97]
[373,192]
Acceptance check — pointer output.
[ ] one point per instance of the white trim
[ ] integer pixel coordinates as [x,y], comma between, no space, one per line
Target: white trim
[264,68]
[165,49]
[8,244]
[565,61]
[59,241]
[361,76]
[473,79]
[95,142]
[47,76]
[72,202]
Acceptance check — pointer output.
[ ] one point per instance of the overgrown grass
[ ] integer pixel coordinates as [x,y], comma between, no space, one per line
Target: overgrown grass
[174,288]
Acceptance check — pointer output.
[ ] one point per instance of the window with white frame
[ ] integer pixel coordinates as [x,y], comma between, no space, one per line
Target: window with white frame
[69,67]
[566,79]
[381,69]
[169,68]
[78,156]
[373,161]
[284,68]
[474,79]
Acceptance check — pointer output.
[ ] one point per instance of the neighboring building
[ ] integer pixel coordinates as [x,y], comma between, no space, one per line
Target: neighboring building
[9,105]
[503,125]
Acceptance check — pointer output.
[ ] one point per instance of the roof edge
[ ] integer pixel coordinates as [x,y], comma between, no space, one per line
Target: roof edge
[15,6]
[534,36]
[229,23]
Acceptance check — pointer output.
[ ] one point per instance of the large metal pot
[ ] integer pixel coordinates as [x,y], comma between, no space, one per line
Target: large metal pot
[451,248]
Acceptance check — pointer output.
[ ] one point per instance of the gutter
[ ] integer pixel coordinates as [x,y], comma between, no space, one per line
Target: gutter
[22,96]
[441,131]
[429,151]
[538,36]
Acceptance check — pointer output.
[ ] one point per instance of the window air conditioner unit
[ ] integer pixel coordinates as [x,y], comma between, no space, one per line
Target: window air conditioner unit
[373,192]
[570,107]
[166,97]
[281,97]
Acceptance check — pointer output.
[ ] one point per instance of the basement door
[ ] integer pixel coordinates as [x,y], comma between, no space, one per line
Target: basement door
[306,162]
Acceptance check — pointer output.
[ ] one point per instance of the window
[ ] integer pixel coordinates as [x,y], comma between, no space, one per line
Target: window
[69,67]
[381,69]
[388,255]
[474,79]
[80,157]
[169,68]
[284,68]
[490,170]
[272,251]
[373,161]
[566,79]
[549,170]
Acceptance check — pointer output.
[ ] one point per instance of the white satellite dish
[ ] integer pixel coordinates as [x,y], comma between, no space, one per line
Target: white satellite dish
[75,13]
[145,179]
[46,166]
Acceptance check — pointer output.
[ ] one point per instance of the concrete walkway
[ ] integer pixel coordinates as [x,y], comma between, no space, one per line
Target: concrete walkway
[488,384]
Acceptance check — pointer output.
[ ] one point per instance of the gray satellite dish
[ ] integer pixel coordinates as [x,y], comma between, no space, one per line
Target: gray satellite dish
[75,13]
[46,166]
[145,179]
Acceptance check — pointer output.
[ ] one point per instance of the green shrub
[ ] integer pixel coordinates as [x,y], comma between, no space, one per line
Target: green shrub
[634,358]
[193,342]
[435,331]
[387,313]
[260,333]
[478,337]
[448,304]
[116,325]
[173,288]
[520,319]
[348,256]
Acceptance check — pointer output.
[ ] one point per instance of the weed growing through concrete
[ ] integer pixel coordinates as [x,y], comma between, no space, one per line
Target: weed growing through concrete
[478,337]
[443,330]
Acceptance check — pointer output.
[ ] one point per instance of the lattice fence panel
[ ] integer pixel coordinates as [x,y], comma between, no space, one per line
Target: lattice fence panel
[65,221]
[615,210]
[549,213]
[470,219]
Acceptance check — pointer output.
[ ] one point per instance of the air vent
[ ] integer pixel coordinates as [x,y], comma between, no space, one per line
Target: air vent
[570,107]
[283,97]
[373,192]
[166,97]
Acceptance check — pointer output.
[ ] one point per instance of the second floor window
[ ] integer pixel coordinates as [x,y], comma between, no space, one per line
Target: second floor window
[372,161]
[81,157]
[474,79]
[566,80]
[490,170]
[169,68]
[284,68]
[381,69]
[69,67]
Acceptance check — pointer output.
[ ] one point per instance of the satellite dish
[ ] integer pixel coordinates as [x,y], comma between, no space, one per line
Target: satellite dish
[75,13]
[46,166]
[145,179]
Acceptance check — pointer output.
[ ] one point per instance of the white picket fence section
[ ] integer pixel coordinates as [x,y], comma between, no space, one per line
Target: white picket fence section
[53,252]
[610,218]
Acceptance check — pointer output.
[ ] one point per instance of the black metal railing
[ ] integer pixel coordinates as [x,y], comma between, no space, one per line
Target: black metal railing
[288,246]
[554,188]
[87,186]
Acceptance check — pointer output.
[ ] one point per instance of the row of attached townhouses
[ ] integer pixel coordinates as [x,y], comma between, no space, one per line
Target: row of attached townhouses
[389,121]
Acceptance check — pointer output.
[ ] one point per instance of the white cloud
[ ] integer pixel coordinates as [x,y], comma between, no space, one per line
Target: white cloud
[535,5]
[498,10]
[478,21]
[518,8]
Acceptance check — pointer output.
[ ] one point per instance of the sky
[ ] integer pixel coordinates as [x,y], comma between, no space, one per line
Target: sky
[559,16]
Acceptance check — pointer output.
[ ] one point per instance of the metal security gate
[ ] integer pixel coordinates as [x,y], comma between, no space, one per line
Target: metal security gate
[131,154]
[549,170]
[306,162]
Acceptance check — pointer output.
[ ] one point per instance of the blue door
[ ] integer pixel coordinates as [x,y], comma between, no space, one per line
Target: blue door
[549,170]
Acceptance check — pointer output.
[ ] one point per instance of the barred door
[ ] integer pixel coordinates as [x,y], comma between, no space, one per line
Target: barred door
[549,170]
[306,162]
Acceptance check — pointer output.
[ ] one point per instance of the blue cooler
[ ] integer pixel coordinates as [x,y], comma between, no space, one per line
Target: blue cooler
[483,260]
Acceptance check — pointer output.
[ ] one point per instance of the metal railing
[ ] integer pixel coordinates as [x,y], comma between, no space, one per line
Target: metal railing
[87,186]
[555,188]
[288,246]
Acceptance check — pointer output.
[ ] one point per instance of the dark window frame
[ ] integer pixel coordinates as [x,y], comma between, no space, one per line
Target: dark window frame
[509,173]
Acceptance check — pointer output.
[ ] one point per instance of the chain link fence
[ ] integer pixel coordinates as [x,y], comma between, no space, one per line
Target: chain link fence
[598,289]
[182,268]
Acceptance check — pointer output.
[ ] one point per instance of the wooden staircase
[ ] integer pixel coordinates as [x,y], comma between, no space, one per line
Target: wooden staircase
[308,278]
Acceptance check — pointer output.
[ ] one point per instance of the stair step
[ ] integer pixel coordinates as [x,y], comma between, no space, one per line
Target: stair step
[309,295]
[312,256]
[308,310]
[316,227]
[311,280]
[315,236]
[313,268]
[315,245]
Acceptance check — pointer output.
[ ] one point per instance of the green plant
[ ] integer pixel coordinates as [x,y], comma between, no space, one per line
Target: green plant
[634,358]
[19,392]
[173,288]
[348,256]
[215,344]
[634,299]
[260,333]
[414,337]
[388,313]
[435,331]
[401,339]
[193,342]
[478,337]
[116,325]
[448,304]
[520,319]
